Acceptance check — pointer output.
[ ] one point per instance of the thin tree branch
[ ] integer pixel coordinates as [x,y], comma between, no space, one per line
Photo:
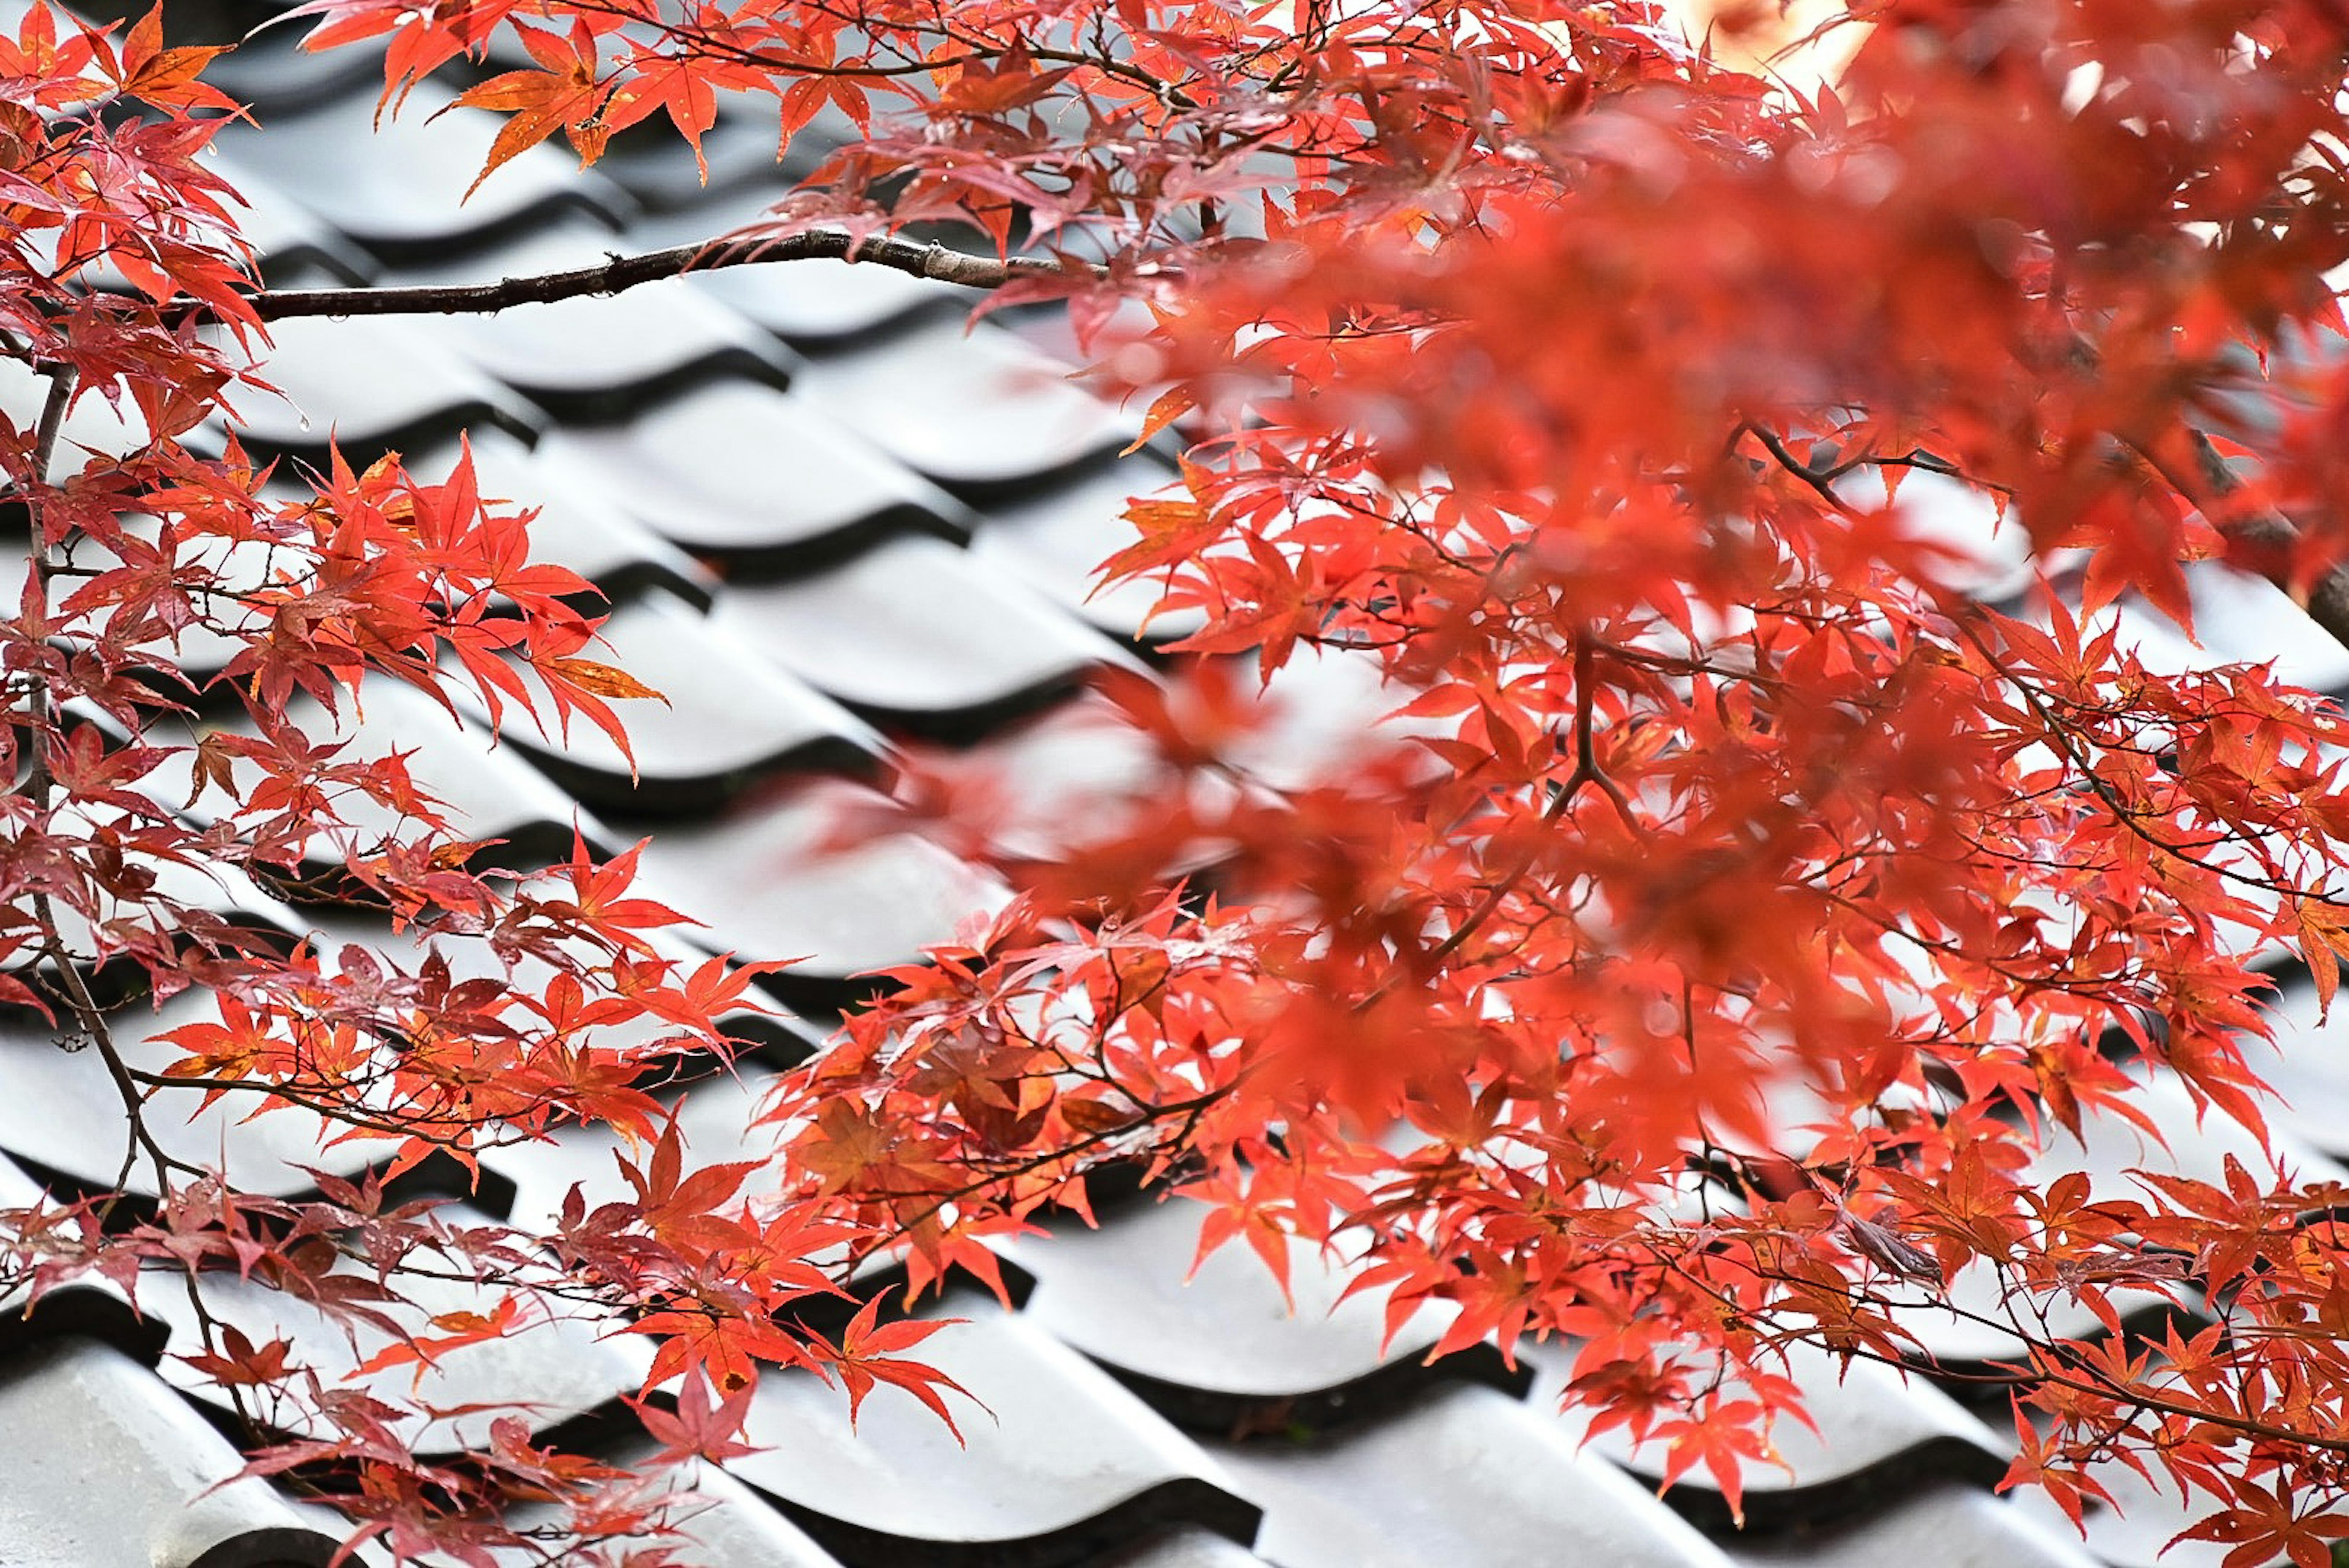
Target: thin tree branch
[2190,463]
[938,262]
[2269,534]
[1587,772]
[1786,460]
[39,786]
[61,379]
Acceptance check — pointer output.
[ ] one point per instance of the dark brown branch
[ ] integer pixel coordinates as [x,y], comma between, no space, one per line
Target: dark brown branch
[52,425]
[1786,460]
[89,1020]
[2268,534]
[2326,599]
[2189,463]
[1587,772]
[938,262]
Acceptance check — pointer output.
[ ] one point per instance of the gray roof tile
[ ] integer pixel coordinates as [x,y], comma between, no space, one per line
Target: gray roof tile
[2153,639]
[1184,1548]
[1059,1465]
[816,303]
[272,71]
[700,470]
[369,384]
[2307,1068]
[1058,539]
[1879,1434]
[1467,1475]
[973,407]
[2243,617]
[656,167]
[724,1524]
[1946,1527]
[1324,712]
[400,191]
[76,1411]
[919,634]
[1986,550]
[1221,1351]
[293,243]
[713,1521]
[1076,774]
[597,356]
[727,717]
[773,881]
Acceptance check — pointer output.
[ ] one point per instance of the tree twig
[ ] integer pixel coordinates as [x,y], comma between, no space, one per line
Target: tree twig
[937,263]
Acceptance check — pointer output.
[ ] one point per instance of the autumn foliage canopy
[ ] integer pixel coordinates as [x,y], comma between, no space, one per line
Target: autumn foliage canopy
[1757,890]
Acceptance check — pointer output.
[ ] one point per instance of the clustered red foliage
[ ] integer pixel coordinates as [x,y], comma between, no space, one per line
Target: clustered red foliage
[1696,970]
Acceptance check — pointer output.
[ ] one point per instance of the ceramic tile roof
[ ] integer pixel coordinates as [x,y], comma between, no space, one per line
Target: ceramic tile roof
[831,519]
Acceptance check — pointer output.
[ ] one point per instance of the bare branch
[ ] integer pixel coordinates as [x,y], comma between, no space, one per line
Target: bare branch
[938,262]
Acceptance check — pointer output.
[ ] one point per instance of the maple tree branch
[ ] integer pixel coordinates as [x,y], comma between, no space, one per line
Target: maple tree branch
[1146,1115]
[410,1123]
[2066,739]
[1786,460]
[2100,1384]
[69,987]
[51,424]
[704,43]
[937,262]
[1587,772]
[53,421]
[2269,532]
